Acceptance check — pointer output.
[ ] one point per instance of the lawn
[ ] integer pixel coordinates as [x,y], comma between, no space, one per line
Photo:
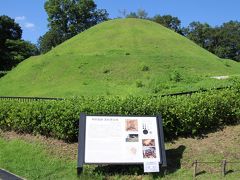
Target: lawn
[37,157]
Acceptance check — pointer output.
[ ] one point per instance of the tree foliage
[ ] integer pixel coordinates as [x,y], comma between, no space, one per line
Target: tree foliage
[228,39]
[67,18]
[199,33]
[50,39]
[20,49]
[141,14]
[224,41]
[9,29]
[132,15]
[13,50]
[169,21]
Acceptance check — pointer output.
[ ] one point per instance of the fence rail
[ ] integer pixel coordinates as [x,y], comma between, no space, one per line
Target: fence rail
[223,167]
[29,98]
[192,92]
[20,98]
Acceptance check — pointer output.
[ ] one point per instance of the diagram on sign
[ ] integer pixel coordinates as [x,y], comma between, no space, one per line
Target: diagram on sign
[146,129]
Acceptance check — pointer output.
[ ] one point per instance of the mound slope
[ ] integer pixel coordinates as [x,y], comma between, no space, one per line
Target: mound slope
[117,57]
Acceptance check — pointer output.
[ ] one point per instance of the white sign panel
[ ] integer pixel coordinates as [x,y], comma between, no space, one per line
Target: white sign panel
[121,139]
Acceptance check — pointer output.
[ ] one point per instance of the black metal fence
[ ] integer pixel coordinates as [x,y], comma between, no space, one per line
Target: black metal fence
[29,98]
[223,167]
[193,92]
[189,93]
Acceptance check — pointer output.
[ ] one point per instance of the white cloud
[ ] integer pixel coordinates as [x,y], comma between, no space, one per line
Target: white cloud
[29,25]
[20,18]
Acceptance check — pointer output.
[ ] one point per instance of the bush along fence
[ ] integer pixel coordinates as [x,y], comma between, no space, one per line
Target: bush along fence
[182,115]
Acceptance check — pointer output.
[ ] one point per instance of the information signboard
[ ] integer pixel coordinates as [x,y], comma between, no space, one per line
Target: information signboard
[120,140]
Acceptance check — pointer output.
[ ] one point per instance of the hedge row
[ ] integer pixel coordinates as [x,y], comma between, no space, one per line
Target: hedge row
[185,115]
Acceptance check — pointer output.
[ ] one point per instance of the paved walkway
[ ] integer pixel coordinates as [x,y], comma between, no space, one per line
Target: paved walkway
[5,175]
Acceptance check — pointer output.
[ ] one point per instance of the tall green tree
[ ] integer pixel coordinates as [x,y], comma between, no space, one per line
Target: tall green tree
[132,15]
[224,41]
[9,29]
[200,33]
[13,50]
[69,17]
[18,50]
[49,40]
[169,21]
[140,14]
[228,41]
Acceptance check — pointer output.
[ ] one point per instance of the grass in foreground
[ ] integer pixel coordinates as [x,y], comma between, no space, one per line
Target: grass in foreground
[35,157]
[31,162]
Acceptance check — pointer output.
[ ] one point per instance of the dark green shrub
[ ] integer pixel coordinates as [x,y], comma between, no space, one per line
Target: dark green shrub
[139,84]
[182,115]
[145,68]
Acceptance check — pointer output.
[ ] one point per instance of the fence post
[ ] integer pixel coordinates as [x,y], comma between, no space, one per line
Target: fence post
[195,168]
[224,163]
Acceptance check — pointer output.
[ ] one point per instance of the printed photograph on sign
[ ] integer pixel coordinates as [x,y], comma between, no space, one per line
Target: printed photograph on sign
[148,142]
[131,125]
[149,152]
[132,138]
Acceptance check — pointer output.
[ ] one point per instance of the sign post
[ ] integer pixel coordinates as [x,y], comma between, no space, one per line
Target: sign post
[121,140]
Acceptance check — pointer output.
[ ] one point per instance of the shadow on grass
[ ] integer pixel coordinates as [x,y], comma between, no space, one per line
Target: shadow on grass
[229,172]
[200,173]
[174,157]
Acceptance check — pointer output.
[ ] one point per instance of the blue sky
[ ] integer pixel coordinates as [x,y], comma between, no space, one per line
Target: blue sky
[30,14]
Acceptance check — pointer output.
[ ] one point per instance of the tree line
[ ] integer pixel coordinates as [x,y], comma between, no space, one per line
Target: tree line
[67,18]
[13,49]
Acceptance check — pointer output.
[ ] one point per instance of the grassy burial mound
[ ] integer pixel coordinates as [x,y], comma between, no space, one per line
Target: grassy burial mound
[119,57]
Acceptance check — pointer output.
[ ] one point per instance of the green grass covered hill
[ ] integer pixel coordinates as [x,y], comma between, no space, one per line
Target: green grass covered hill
[119,57]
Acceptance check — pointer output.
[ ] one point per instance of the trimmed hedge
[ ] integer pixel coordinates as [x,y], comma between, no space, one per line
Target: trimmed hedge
[182,115]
